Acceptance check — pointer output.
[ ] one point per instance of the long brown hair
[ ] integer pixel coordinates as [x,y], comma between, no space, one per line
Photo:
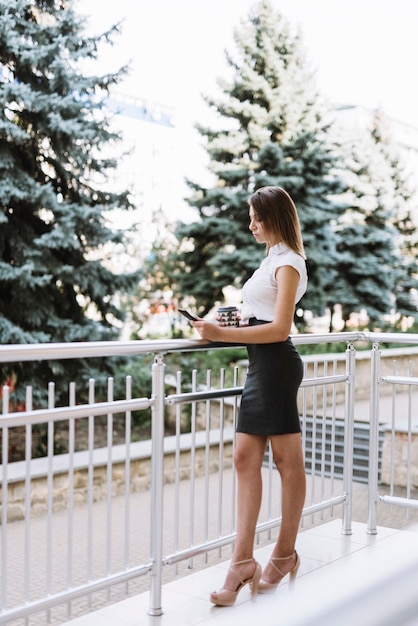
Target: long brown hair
[276,210]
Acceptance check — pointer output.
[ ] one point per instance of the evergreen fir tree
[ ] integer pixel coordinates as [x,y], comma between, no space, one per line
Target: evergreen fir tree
[406,264]
[405,268]
[366,232]
[54,282]
[272,131]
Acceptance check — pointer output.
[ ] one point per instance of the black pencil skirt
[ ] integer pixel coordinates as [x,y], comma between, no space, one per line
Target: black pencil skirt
[269,398]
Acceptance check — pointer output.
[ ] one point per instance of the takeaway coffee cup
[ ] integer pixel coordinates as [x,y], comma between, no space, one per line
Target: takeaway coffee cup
[228,315]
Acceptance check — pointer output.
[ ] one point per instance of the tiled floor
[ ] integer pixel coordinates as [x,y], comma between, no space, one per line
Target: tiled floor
[343,581]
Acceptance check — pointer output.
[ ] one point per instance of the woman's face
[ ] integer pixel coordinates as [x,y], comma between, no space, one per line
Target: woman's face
[257,228]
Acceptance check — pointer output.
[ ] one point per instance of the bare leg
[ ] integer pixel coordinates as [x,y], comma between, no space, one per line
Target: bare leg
[248,458]
[288,456]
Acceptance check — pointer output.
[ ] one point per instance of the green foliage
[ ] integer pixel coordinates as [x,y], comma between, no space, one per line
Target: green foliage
[405,266]
[55,282]
[321,348]
[375,267]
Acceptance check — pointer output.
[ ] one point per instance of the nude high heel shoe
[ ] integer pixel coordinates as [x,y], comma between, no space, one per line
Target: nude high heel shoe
[225,597]
[265,587]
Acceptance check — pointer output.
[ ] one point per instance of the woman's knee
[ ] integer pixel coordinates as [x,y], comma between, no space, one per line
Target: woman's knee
[243,462]
[248,458]
[287,452]
[293,467]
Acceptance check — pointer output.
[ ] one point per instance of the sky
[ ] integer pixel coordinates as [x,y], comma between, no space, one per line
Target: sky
[362,51]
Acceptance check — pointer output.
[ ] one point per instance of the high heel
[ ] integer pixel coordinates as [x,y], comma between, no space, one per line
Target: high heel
[225,597]
[265,587]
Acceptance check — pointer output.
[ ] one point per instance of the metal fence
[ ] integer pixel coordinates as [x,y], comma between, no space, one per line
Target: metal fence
[401,431]
[186,479]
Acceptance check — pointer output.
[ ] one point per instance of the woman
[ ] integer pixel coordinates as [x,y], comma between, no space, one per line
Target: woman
[268,408]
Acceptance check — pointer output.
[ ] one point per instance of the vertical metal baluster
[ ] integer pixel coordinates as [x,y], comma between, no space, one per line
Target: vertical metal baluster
[393,437]
[28,458]
[270,484]
[349,439]
[109,471]
[70,499]
[409,445]
[221,467]
[304,418]
[314,424]
[90,487]
[280,498]
[192,466]
[207,462]
[374,438]
[178,409]
[50,496]
[128,425]
[157,481]
[5,462]
[323,436]
[333,432]
[234,478]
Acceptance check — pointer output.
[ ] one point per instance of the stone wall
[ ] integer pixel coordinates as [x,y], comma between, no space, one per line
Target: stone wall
[395,451]
[139,465]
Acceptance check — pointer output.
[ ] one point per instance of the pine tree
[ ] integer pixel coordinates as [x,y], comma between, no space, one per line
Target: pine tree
[405,268]
[55,282]
[271,131]
[366,232]
[406,265]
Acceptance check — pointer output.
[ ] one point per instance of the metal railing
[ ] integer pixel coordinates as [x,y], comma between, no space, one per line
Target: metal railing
[410,429]
[197,491]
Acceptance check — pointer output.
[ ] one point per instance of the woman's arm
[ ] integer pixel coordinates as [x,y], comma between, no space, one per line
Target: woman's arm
[278,330]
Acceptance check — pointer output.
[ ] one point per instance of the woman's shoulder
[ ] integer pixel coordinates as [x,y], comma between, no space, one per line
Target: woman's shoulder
[281,255]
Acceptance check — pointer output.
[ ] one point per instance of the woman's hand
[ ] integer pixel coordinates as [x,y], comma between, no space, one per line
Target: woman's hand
[216,330]
[208,330]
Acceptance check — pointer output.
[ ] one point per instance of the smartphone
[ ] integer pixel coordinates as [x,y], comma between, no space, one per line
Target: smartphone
[187,314]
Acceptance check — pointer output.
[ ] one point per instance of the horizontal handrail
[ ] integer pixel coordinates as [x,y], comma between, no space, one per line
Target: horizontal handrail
[313,338]
[400,380]
[198,396]
[403,338]
[84,349]
[324,380]
[213,394]
[38,416]
[407,502]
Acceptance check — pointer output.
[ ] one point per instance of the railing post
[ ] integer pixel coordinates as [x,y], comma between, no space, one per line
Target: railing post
[374,438]
[157,481]
[4,457]
[349,440]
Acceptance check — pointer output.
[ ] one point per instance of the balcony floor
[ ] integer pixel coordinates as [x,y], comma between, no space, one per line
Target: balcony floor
[337,572]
